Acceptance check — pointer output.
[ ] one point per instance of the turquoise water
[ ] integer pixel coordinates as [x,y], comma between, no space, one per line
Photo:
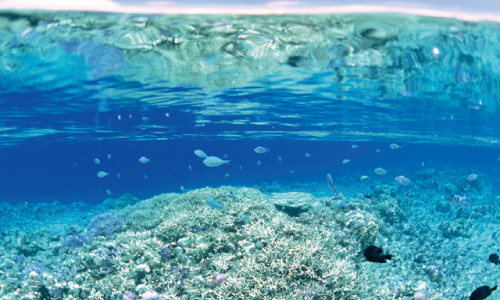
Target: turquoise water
[103,196]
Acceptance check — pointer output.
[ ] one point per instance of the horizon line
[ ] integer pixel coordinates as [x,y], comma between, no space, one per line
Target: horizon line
[113,7]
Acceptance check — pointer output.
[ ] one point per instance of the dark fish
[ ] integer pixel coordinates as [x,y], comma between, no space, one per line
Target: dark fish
[329,179]
[375,254]
[494,258]
[482,292]
[369,197]
[199,228]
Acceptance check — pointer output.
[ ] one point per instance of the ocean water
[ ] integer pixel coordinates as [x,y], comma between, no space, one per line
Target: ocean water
[134,96]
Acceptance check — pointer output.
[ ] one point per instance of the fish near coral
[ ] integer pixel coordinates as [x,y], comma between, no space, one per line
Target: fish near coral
[494,258]
[375,254]
[214,204]
[471,177]
[403,180]
[329,180]
[482,292]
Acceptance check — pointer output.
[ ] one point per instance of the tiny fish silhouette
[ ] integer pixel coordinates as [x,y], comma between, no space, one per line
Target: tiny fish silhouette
[375,254]
[482,292]
[213,203]
[329,180]
[144,160]
[494,258]
[102,174]
[260,149]
[395,146]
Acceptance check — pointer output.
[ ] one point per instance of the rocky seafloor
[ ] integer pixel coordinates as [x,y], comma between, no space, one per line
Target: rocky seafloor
[269,242]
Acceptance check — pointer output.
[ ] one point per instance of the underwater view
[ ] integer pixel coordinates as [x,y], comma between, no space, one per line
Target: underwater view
[222,156]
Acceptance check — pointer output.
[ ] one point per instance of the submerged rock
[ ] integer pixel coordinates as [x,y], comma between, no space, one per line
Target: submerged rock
[457,228]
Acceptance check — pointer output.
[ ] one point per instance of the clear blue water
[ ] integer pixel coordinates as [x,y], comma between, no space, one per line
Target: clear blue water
[80,86]
[77,86]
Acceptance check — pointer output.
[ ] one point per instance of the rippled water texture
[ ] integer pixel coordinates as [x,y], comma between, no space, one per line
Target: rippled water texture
[323,77]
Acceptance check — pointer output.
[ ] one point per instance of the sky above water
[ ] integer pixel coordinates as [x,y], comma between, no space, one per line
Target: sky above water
[461,9]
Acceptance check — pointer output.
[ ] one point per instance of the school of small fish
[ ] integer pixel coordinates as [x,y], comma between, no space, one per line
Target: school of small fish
[372,253]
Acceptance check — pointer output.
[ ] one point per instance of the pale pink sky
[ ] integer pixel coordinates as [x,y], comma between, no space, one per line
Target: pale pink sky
[456,9]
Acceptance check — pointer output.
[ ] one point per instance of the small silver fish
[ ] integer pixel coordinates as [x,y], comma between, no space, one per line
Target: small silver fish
[346,161]
[200,153]
[395,146]
[214,161]
[329,180]
[307,155]
[403,180]
[259,163]
[102,174]
[144,160]
[214,204]
[260,149]
[380,171]
[97,161]
[354,146]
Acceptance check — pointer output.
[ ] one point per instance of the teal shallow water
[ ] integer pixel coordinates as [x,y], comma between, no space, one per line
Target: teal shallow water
[323,77]
[84,96]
